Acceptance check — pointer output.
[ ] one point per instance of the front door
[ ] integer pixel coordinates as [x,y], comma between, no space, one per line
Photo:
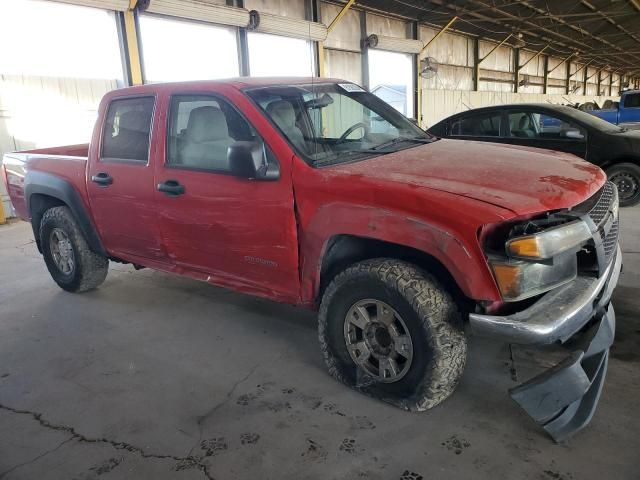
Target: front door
[121,182]
[237,232]
[545,130]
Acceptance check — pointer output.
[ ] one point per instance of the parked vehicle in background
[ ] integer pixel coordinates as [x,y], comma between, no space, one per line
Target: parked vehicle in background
[555,127]
[625,113]
[317,193]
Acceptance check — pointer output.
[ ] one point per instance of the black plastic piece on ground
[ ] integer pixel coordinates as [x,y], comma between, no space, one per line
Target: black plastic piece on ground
[564,398]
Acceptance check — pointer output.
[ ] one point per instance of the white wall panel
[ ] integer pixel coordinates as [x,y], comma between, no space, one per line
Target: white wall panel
[346,33]
[501,59]
[449,48]
[344,65]
[37,112]
[450,77]
[285,8]
[534,67]
[561,71]
[386,26]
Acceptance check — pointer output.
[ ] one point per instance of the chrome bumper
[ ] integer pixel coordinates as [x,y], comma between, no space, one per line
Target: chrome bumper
[555,317]
[564,398]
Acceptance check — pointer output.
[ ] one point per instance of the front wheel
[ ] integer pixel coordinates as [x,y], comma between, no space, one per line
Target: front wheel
[70,261]
[393,332]
[626,177]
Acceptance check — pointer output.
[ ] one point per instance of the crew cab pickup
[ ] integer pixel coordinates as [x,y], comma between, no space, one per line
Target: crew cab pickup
[625,113]
[317,193]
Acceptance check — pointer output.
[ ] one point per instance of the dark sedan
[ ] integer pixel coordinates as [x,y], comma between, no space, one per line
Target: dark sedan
[555,127]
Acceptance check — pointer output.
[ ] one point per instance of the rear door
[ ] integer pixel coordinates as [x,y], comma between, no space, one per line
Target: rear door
[544,129]
[235,231]
[121,182]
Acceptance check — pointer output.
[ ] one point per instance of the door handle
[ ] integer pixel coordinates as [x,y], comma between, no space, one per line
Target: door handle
[102,178]
[171,188]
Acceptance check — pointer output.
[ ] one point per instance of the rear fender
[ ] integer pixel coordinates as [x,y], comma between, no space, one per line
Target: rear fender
[39,184]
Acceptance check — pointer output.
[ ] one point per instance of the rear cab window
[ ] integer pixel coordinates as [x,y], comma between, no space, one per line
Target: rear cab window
[127,129]
[632,101]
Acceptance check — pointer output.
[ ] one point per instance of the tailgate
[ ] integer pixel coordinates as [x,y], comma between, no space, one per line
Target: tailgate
[14,173]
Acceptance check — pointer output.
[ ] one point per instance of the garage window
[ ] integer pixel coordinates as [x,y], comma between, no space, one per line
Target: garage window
[273,55]
[391,79]
[176,50]
[56,40]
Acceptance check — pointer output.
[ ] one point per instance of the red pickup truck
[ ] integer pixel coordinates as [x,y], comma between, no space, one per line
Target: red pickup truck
[317,193]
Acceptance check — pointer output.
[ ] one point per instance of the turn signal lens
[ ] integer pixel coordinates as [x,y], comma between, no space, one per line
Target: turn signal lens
[519,279]
[525,247]
[550,242]
[508,279]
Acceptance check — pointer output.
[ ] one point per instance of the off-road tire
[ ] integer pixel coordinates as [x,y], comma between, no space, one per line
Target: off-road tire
[633,171]
[90,268]
[428,310]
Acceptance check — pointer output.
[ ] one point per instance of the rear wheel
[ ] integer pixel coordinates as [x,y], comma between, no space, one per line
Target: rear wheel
[626,177]
[392,331]
[70,261]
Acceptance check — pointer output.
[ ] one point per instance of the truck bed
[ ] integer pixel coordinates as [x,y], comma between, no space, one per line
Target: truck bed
[68,162]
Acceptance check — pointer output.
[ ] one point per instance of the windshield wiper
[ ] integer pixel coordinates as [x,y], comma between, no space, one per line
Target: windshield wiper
[400,140]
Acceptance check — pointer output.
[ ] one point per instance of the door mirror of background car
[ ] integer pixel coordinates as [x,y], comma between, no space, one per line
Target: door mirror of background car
[249,160]
[574,134]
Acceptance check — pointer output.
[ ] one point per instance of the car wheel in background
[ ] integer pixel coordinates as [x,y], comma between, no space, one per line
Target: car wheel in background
[626,177]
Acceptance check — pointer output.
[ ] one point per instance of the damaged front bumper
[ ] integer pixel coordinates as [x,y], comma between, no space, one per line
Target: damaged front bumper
[580,316]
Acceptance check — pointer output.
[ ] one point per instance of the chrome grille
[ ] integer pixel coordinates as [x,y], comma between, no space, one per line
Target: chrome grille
[599,211]
[610,240]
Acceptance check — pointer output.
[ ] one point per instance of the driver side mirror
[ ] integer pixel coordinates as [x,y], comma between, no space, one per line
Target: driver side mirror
[249,160]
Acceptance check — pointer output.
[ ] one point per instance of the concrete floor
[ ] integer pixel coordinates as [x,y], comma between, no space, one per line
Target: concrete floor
[156,376]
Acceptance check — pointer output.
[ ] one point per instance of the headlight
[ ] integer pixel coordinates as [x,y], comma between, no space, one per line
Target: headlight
[549,243]
[539,262]
[520,279]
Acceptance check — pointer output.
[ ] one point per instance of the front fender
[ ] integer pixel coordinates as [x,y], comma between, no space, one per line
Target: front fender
[462,257]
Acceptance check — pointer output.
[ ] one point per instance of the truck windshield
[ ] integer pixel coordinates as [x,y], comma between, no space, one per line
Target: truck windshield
[335,122]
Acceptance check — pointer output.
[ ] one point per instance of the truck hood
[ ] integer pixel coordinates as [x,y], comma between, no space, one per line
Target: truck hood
[522,179]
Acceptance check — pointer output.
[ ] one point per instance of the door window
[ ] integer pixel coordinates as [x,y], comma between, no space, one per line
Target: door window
[535,125]
[483,125]
[201,129]
[632,101]
[127,128]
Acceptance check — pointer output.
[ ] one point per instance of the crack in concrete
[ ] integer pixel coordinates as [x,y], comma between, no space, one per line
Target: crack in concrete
[35,459]
[74,435]
[217,406]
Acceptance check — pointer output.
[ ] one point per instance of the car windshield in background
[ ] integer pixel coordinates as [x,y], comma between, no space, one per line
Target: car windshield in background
[329,123]
[589,120]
